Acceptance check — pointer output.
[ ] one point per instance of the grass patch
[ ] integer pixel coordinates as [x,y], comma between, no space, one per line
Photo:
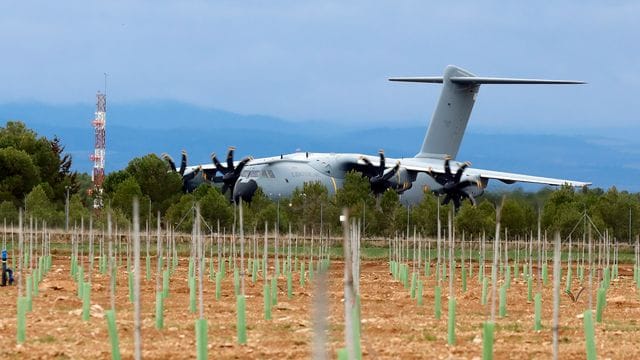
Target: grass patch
[428,336]
[512,327]
[621,326]
[47,339]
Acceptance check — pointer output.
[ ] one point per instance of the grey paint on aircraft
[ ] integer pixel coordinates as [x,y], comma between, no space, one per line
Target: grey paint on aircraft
[451,116]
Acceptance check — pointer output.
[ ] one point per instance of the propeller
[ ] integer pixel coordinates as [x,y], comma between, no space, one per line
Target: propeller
[451,186]
[183,166]
[381,181]
[230,173]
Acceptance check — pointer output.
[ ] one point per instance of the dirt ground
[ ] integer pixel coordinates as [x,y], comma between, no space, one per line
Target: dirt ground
[393,325]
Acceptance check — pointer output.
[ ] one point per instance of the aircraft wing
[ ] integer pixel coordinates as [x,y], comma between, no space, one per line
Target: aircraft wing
[497,175]
[510,177]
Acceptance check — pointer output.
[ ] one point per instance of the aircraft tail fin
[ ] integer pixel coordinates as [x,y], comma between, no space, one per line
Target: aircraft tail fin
[450,118]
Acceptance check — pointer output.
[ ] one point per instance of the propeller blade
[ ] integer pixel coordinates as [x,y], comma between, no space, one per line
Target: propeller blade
[217,163]
[189,176]
[169,160]
[230,157]
[447,168]
[460,171]
[240,166]
[225,187]
[366,161]
[391,173]
[382,163]
[183,163]
[446,199]
[456,203]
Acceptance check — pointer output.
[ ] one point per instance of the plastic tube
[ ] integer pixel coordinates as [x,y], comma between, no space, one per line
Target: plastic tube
[485,285]
[437,300]
[503,300]
[602,292]
[274,291]
[86,301]
[487,340]
[289,284]
[201,338]
[21,319]
[589,335]
[241,323]
[110,315]
[464,278]
[218,285]
[537,323]
[159,311]
[267,301]
[451,338]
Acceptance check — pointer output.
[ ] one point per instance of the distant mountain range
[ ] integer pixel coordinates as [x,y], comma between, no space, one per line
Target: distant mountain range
[167,126]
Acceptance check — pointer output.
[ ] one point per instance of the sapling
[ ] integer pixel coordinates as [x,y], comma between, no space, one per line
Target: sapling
[452,297]
[21,305]
[462,266]
[240,306]
[201,327]
[438,288]
[538,297]
[556,294]
[349,296]
[488,327]
[137,336]
[568,280]
[159,295]
[589,330]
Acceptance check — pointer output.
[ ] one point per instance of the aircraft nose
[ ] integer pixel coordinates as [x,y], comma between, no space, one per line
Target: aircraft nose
[245,190]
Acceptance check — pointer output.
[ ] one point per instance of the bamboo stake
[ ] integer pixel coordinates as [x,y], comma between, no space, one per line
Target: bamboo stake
[348,288]
[556,294]
[137,337]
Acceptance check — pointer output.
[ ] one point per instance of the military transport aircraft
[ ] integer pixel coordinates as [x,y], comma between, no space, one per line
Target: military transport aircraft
[433,168]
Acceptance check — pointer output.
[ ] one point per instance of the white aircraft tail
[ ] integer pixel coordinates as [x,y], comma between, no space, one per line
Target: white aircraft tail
[450,118]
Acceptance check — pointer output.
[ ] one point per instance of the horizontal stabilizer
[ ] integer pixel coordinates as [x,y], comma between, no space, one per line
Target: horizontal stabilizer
[492,80]
[482,80]
[420,79]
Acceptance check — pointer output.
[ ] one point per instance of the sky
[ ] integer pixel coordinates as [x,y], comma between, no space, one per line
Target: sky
[328,61]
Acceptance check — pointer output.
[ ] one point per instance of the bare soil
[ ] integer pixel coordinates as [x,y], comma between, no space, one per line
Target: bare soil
[393,325]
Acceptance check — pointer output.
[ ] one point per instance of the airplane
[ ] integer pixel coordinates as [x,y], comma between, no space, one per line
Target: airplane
[433,168]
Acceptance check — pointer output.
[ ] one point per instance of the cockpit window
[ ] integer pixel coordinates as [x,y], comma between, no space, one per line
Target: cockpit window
[258,173]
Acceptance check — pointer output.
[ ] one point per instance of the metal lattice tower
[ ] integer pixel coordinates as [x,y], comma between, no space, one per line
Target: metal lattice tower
[99,123]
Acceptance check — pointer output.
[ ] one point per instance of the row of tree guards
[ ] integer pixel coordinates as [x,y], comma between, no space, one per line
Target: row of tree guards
[412,260]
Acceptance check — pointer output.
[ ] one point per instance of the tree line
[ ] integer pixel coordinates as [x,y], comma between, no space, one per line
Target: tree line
[35,175]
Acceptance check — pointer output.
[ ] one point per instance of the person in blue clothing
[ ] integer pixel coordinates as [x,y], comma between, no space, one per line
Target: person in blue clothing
[7,273]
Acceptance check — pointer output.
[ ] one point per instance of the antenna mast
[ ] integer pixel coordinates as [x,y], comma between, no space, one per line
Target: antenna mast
[99,123]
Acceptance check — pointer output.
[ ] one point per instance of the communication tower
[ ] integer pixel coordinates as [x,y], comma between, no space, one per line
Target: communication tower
[99,123]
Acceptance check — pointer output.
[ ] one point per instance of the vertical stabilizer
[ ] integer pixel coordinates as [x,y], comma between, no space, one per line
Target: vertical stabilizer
[450,118]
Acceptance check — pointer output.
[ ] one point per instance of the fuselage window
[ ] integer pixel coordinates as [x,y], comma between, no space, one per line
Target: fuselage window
[271,175]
